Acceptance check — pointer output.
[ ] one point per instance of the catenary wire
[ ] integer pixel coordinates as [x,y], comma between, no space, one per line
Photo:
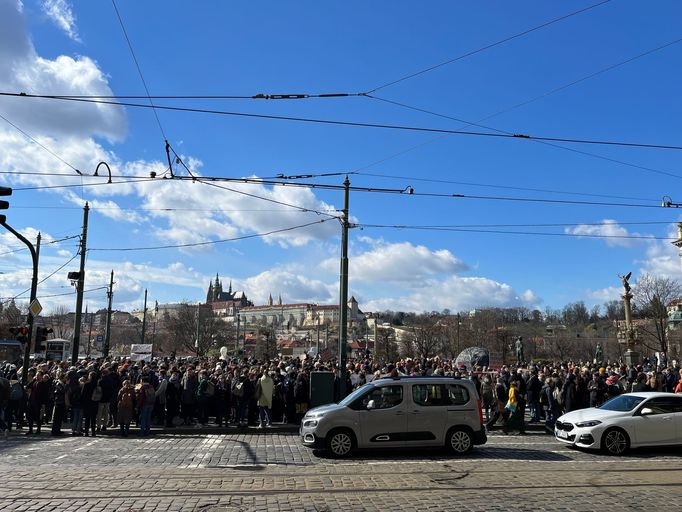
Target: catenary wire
[541,96]
[357,124]
[487,47]
[266,180]
[211,242]
[255,196]
[539,141]
[139,69]
[504,232]
[323,186]
[33,139]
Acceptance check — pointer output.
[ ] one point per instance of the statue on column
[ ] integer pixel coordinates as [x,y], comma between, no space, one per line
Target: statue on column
[599,353]
[518,345]
[625,280]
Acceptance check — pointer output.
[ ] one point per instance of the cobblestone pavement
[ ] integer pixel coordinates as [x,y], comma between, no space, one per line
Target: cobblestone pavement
[221,473]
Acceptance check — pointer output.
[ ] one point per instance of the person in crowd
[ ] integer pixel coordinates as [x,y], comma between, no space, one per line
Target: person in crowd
[264,393]
[190,383]
[146,397]
[59,395]
[173,398]
[203,396]
[125,407]
[91,394]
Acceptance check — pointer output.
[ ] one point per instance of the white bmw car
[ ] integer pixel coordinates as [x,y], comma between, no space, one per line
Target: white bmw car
[627,421]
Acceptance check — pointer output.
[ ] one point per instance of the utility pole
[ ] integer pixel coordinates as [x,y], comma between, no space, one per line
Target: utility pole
[343,295]
[144,316]
[79,289]
[35,254]
[107,334]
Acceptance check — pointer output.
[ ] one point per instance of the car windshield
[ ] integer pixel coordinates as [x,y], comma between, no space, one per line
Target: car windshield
[360,391]
[622,403]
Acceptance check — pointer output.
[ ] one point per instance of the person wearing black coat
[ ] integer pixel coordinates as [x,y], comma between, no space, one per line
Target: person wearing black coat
[533,387]
[90,406]
[569,394]
[59,396]
[173,394]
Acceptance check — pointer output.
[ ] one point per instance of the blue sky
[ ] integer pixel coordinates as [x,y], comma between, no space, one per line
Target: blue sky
[229,48]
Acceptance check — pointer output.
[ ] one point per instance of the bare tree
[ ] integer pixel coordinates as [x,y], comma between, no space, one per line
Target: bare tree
[652,294]
[62,325]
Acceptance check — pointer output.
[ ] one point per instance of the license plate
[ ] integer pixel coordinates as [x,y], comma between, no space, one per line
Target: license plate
[562,434]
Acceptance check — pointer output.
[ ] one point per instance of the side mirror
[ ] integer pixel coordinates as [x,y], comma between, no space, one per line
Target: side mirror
[370,405]
[646,411]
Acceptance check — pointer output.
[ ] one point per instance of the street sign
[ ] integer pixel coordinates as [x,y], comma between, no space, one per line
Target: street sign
[35,307]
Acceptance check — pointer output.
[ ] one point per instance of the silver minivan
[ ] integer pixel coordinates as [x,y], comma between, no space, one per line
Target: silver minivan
[399,412]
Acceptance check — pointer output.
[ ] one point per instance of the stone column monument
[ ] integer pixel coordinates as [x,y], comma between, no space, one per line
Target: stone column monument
[629,336]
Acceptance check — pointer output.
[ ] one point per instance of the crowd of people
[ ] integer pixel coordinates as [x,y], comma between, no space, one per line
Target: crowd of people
[102,394]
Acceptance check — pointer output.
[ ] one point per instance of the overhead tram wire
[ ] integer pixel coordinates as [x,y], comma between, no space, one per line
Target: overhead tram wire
[267,181]
[533,139]
[505,232]
[241,192]
[210,242]
[536,98]
[503,187]
[139,69]
[487,47]
[358,124]
[35,141]
[210,180]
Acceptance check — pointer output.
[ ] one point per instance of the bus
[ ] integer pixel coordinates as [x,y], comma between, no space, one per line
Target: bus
[11,351]
[57,350]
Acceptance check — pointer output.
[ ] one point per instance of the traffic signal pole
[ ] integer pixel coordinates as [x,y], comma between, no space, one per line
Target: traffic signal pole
[343,295]
[79,289]
[35,253]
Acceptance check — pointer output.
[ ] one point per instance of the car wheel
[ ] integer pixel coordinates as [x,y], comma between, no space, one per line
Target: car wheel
[340,443]
[615,441]
[459,441]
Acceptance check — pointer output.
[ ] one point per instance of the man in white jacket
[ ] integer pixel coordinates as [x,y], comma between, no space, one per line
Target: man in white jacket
[264,389]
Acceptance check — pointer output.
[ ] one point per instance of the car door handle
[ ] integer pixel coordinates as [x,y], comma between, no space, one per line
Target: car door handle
[399,413]
[416,412]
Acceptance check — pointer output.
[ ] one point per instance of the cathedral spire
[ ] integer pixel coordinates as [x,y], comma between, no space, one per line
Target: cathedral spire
[270,300]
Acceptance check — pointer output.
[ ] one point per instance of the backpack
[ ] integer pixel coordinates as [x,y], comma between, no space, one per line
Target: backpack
[238,389]
[17,391]
[544,400]
[96,394]
[558,396]
[210,389]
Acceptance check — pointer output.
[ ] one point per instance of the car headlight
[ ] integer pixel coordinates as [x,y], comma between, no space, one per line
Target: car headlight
[310,423]
[591,423]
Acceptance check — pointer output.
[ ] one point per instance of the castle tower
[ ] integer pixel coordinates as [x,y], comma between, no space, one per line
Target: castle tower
[270,300]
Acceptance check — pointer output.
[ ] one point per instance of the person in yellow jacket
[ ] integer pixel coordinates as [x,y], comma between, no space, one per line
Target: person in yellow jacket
[264,388]
[515,417]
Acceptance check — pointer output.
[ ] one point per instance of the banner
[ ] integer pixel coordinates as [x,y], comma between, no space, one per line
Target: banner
[141,352]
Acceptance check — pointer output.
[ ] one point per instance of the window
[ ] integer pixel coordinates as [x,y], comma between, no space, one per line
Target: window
[661,405]
[458,394]
[428,395]
[439,394]
[384,397]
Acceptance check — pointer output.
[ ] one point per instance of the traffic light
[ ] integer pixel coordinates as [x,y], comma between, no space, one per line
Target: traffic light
[41,336]
[4,205]
[20,333]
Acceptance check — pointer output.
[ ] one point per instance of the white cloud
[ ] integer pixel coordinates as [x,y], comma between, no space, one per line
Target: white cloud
[61,14]
[605,294]
[23,70]
[294,287]
[398,262]
[610,229]
[457,294]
